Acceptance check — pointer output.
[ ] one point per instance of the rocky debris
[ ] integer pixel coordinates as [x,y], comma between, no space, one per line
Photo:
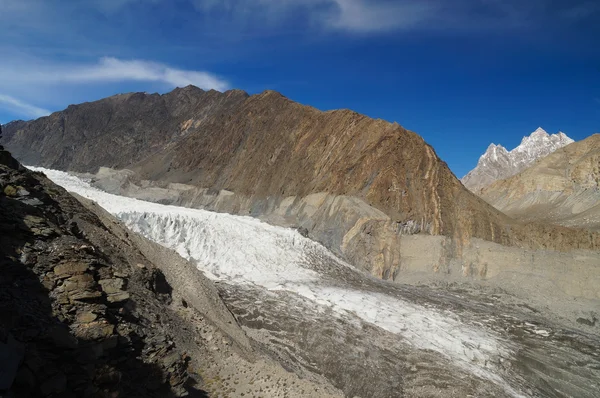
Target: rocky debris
[73,320]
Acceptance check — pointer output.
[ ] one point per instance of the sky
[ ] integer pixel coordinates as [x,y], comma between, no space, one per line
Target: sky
[461,73]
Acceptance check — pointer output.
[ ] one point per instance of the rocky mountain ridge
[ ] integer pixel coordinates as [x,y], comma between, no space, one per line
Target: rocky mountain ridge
[356,184]
[562,188]
[498,163]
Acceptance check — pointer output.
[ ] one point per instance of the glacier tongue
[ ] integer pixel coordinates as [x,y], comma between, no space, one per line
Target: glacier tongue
[245,251]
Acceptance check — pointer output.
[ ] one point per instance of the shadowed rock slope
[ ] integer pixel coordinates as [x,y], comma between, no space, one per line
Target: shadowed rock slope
[76,319]
[88,308]
[562,188]
[352,181]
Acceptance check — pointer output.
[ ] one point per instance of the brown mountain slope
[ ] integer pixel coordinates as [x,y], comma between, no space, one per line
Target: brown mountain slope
[357,184]
[562,188]
[113,131]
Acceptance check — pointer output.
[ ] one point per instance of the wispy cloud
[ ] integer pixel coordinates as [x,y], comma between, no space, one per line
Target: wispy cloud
[19,107]
[30,80]
[107,69]
[377,16]
[348,16]
[110,69]
[360,16]
[344,15]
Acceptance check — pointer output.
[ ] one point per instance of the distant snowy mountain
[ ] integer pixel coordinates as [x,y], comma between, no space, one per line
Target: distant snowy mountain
[498,163]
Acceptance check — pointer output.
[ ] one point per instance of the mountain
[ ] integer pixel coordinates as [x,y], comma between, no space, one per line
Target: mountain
[366,189]
[561,188]
[498,163]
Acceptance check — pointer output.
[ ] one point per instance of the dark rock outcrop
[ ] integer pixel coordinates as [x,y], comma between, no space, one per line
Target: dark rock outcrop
[75,319]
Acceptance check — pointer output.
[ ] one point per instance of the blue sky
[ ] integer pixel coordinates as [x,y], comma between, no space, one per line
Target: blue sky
[461,73]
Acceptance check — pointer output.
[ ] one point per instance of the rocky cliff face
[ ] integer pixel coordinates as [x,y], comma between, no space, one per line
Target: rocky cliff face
[562,188]
[76,319]
[498,163]
[356,184]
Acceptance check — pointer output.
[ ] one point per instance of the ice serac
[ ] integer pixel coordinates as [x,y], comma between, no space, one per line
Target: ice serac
[497,163]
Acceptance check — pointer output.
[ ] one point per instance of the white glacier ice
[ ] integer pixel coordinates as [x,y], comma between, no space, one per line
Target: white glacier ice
[244,250]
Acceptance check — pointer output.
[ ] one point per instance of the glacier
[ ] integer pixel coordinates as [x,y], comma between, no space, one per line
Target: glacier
[244,251]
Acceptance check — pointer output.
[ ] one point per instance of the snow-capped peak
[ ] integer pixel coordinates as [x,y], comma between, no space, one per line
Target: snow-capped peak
[498,163]
[540,143]
[492,153]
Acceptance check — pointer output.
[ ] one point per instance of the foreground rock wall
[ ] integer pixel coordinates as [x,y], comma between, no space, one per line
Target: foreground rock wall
[75,319]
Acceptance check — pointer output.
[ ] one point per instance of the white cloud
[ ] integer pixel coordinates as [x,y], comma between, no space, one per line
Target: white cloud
[115,70]
[21,108]
[360,16]
[346,15]
[107,70]
[27,80]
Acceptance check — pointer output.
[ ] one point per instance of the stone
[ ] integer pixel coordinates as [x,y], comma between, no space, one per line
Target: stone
[7,159]
[112,286]
[171,359]
[80,282]
[48,282]
[86,317]
[33,202]
[83,296]
[10,191]
[117,297]
[97,330]
[121,274]
[66,270]
[33,221]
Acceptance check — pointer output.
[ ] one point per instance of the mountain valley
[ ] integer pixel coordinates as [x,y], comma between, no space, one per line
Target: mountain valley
[330,254]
